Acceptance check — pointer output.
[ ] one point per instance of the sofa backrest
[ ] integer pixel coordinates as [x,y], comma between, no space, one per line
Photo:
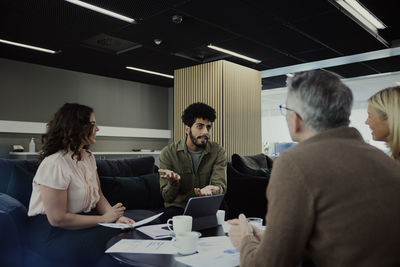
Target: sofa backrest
[245,194]
[257,165]
[130,181]
[125,167]
[7,169]
[16,178]
[134,182]
[136,192]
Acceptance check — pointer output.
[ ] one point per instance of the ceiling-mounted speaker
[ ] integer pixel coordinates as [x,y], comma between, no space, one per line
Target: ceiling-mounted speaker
[177,19]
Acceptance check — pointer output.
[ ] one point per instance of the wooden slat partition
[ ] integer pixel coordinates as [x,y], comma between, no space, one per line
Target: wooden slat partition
[242,109]
[201,83]
[234,92]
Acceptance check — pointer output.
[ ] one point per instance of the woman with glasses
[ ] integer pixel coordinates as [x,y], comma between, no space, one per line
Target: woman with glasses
[66,192]
[384,118]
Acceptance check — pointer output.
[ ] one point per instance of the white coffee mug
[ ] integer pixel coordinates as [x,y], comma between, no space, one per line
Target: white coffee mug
[180,224]
[220,217]
[186,242]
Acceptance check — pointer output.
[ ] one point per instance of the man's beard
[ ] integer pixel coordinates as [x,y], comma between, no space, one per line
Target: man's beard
[194,140]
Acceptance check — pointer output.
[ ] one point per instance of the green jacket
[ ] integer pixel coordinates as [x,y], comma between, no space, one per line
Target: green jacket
[211,171]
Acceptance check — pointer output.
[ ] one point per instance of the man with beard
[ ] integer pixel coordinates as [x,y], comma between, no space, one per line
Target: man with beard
[193,166]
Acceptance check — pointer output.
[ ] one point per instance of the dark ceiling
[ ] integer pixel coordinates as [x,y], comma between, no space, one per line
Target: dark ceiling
[280,33]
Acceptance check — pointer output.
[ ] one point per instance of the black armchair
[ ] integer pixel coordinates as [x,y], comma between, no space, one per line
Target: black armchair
[248,177]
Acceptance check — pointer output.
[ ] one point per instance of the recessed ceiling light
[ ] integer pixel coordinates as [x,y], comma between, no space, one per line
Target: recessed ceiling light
[233,53]
[102,10]
[29,46]
[332,62]
[150,72]
[362,14]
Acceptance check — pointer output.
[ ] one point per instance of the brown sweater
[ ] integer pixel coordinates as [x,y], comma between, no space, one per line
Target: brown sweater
[334,200]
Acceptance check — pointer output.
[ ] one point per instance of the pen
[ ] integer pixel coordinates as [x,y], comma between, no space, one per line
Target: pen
[166,235]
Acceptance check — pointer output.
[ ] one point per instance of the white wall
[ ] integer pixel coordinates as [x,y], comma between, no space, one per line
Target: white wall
[274,128]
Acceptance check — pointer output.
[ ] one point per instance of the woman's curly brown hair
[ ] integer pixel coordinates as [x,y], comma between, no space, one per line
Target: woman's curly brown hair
[69,128]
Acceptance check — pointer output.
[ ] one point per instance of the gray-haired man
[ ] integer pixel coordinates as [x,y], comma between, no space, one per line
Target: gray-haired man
[332,199]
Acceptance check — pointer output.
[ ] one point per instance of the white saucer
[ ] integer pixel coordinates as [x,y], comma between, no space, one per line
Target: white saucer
[173,234]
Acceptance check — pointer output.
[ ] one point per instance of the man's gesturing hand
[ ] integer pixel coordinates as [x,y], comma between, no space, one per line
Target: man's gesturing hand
[173,177]
[205,191]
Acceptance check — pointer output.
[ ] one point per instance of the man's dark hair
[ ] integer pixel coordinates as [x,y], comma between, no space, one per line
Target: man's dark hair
[198,110]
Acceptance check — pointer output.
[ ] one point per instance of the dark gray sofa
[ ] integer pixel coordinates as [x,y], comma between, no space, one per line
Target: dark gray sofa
[134,182]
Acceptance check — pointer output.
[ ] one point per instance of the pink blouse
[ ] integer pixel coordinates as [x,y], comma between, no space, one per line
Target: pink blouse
[60,171]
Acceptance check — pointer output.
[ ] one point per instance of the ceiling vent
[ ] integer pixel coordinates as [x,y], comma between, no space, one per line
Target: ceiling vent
[110,44]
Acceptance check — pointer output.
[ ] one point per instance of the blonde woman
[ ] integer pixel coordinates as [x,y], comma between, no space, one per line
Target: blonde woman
[384,118]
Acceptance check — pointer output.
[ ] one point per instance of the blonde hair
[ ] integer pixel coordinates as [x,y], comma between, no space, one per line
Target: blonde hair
[387,101]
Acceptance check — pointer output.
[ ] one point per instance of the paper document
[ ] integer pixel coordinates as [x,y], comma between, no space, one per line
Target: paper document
[143,246]
[215,244]
[213,251]
[155,231]
[136,224]
[117,225]
[211,259]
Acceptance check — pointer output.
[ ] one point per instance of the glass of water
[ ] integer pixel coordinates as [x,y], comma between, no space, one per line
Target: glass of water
[257,222]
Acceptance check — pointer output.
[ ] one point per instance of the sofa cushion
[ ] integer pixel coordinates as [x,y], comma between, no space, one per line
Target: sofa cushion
[152,182]
[20,185]
[130,191]
[125,167]
[257,165]
[142,192]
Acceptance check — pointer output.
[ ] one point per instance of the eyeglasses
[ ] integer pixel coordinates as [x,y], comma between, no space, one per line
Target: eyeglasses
[284,110]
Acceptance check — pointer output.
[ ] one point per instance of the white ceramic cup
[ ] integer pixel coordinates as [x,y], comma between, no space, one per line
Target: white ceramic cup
[220,217]
[255,221]
[186,242]
[180,223]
